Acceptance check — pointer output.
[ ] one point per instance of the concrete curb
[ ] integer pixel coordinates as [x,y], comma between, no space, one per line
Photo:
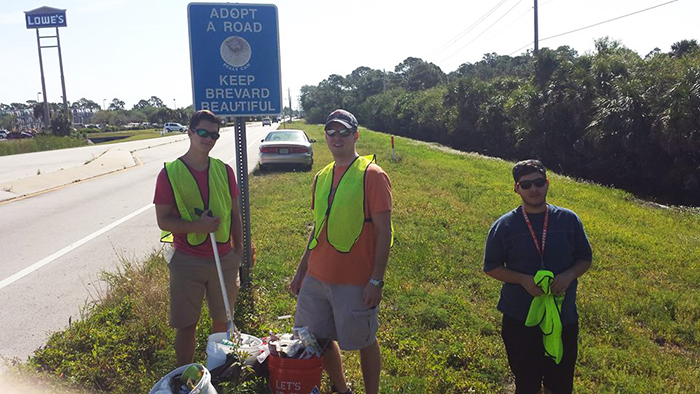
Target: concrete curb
[108,162]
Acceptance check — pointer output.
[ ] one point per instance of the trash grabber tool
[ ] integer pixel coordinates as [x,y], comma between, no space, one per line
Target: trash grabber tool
[232,333]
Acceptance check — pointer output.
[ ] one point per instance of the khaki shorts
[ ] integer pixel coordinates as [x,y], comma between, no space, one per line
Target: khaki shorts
[336,312]
[192,278]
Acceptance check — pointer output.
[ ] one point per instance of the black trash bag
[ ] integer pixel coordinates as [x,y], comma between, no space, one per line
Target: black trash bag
[229,371]
[233,370]
[175,384]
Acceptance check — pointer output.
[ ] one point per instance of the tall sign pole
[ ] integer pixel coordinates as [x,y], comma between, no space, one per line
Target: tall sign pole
[46,17]
[63,81]
[235,59]
[43,82]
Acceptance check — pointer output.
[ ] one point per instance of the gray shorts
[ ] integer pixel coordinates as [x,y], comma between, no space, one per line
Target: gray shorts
[192,278]
[336,312]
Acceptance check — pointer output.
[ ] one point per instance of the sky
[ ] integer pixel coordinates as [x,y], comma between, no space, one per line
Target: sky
[135,49]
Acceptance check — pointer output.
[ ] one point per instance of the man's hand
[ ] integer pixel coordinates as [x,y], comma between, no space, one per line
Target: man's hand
[562,282]
[207,224]
[371,295]
[529,284]
[295,284]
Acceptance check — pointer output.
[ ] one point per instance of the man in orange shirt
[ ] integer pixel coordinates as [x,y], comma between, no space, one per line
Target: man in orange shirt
[340,277]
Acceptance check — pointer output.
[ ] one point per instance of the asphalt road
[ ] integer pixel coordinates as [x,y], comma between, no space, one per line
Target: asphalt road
[54,245]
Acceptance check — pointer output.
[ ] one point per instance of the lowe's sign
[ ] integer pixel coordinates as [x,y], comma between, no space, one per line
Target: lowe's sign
[45,17]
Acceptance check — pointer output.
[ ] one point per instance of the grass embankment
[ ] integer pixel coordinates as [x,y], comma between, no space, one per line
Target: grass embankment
[38,144]
[133,135]
[42,143]
[439,329]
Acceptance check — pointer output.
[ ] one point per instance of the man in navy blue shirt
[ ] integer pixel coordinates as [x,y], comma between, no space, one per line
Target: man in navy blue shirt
[537,236]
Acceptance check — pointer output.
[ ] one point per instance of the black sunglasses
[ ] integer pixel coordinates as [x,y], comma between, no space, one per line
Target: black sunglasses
[342,133]
[537,182]
[206,133]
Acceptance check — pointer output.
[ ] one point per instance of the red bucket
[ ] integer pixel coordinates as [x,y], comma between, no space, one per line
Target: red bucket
[294,376]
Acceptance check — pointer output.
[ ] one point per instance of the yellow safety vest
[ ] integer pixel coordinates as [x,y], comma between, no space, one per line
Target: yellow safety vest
[189,199]
[345,216]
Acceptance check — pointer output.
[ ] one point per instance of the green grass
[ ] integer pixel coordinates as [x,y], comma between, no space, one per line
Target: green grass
[49,142]
[38,144]
[439,328]
[133,135]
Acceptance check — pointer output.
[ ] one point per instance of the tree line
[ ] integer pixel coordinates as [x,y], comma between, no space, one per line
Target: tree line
[611,116]
[85,111]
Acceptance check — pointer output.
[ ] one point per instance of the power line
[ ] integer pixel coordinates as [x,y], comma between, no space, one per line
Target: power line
[593,25]
[467,30]
[514,20]
[518,18]
[487,29]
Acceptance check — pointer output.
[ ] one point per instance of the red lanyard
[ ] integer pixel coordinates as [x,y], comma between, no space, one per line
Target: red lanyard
[544,232]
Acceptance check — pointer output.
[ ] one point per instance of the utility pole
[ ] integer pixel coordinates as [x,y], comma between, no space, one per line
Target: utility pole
[537,43]
[384,78]
[290,104]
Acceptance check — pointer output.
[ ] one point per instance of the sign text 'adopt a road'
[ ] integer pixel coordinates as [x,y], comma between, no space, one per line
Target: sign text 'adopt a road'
[234,51]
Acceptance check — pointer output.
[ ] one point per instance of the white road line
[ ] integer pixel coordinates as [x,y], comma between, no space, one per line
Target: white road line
[49,259]
[249,145]
[21,274]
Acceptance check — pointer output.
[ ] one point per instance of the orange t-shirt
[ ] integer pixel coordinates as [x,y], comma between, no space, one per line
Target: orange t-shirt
[353,268]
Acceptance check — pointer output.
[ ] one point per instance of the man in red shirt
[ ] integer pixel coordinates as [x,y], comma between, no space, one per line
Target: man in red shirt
[340,277]
[186,187]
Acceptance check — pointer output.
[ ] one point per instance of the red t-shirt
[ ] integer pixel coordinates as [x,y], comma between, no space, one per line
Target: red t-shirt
[164,196]
[355,267]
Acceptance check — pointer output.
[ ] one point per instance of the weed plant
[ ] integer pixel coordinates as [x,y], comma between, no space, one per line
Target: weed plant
[439,327]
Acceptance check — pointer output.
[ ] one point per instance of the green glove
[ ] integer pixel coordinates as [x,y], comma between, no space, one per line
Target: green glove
[192,375]
[545,311]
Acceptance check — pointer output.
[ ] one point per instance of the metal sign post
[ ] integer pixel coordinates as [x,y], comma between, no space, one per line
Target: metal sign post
[40,18]
[235,59]
[242,167]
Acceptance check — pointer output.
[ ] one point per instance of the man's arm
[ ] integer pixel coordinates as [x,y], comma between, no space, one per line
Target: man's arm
[382,225]
[583,255]
[237,227]
[168,221]
[509,276]
[303,266]
[564,279]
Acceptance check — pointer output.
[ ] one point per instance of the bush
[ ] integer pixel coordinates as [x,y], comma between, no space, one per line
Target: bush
[60,125]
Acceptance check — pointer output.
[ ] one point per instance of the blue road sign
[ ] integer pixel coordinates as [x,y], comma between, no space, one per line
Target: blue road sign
[45,17]
[234,52]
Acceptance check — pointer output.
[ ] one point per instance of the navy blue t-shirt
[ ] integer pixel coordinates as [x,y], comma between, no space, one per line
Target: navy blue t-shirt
[510,245]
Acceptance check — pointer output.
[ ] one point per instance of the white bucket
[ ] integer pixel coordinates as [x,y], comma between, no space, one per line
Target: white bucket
[217,351]
[203,387]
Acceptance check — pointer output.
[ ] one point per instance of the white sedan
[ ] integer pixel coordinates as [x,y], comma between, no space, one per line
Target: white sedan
[286,146]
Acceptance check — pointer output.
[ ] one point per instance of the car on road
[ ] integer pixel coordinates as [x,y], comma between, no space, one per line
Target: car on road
[168,127]
[267,122]
[19,135]
[286,147]
[3,134]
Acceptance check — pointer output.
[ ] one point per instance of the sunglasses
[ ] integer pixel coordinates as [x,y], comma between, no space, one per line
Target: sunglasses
[537,182]
[342,133]
[206,133]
